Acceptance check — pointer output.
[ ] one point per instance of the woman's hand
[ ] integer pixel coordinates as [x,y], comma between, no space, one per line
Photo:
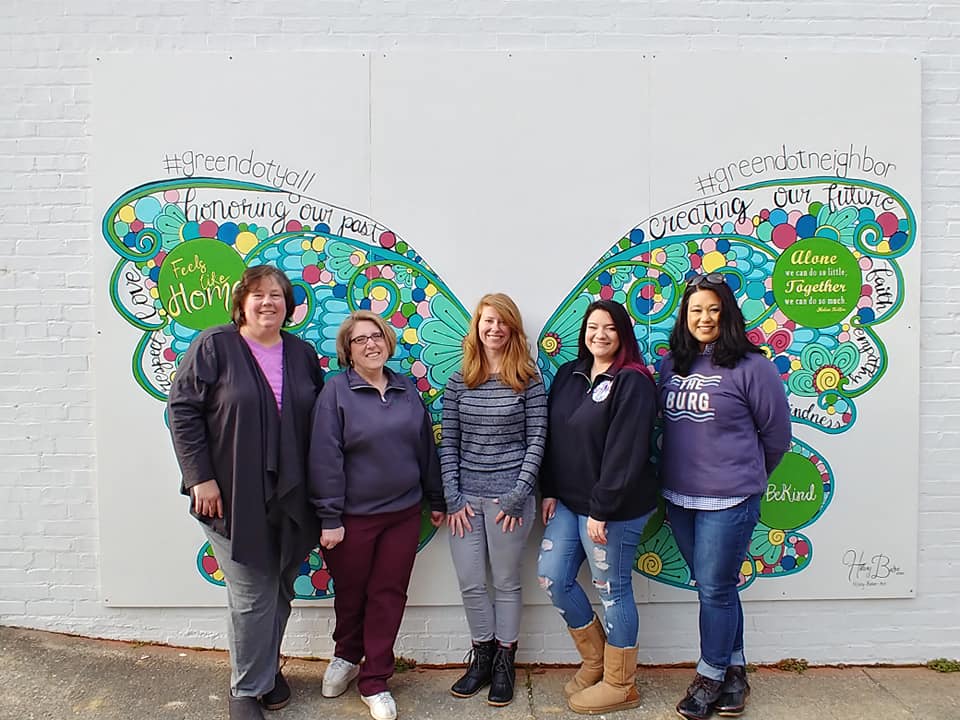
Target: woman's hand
[206,499]
[510,522]
[329,539]
[548,508]
[597,531]
[459,521]
[437,518]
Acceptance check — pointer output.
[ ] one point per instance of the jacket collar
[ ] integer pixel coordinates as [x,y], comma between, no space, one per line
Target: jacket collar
[583,368]
[394,382]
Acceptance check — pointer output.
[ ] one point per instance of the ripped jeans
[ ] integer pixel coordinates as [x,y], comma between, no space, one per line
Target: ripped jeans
[565,546]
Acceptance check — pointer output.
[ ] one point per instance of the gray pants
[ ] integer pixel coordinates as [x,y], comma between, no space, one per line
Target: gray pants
[259,605]
[499,618]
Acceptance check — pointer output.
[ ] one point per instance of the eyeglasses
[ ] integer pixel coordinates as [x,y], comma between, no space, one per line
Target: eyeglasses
[360,340]
[713,278]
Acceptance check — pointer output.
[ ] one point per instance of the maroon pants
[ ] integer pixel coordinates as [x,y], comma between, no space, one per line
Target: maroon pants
[371,571]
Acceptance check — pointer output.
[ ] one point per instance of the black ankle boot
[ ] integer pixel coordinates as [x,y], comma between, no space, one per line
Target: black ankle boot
[279,697]
[504,676]
[479,667]
[734,693]
[700,698]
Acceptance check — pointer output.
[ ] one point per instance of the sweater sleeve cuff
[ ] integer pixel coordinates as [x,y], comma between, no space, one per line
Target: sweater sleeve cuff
[455,503]
[512,503]
[330,523]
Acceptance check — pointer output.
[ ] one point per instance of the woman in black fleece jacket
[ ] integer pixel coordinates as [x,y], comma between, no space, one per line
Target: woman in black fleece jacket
[599,489]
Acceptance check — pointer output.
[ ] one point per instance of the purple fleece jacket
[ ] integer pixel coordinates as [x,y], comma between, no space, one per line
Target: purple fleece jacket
[724,430]
[371,455]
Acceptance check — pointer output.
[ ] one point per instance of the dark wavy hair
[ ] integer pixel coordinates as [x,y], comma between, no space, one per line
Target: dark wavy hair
[250,280]
[730,347]
[628,354]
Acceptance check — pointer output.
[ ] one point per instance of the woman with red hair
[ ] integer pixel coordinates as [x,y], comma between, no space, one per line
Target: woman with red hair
[494,432]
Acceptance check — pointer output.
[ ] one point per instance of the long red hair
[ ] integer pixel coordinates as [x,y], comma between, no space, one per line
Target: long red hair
[517,368]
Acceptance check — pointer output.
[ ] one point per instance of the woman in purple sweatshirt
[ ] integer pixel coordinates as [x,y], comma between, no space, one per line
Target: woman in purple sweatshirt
[726,425]
[372,461]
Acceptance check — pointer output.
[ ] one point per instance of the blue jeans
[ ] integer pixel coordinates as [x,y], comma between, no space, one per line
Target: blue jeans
[565,546]
[714,544]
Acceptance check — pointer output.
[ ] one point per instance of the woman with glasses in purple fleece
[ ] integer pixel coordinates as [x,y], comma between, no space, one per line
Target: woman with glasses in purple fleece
[726,426]
[372,461]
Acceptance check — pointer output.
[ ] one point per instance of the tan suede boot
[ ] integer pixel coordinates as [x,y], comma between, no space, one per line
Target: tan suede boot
[616,691]
[589,641]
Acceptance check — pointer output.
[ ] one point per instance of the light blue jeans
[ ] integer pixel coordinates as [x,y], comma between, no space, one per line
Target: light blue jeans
[485,545]
[565,546]
[714,544]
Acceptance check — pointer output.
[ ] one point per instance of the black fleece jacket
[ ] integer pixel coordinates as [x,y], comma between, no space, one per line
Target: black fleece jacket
[598,445]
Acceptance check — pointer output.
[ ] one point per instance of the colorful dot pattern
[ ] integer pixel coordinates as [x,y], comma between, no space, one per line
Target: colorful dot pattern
[331,275]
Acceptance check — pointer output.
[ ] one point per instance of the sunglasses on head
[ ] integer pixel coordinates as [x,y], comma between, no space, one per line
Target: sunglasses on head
[713,278]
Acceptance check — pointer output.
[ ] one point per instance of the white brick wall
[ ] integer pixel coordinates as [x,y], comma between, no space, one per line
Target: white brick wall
[48,524]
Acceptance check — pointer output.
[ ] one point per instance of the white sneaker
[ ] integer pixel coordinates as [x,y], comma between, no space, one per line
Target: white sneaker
[382,705]
[338,676]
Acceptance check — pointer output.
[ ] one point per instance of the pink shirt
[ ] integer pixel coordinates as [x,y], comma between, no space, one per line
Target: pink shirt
[270,360]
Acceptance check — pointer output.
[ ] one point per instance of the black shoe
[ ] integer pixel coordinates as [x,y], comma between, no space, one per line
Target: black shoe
[244,708]
[734,693]
[279,697]
[700,698]
[504,676]
[479,667]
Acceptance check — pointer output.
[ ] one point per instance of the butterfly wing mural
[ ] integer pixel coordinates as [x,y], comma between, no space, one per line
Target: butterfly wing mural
[813,265]
[184,243]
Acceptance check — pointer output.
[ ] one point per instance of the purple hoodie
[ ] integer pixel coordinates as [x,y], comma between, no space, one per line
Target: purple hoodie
[724,430]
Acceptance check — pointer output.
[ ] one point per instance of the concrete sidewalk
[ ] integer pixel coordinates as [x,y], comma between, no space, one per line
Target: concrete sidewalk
[44,675]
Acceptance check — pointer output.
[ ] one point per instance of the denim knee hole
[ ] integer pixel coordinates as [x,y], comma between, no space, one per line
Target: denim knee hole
[600,558]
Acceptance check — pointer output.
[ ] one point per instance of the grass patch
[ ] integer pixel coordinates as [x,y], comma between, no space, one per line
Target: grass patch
[402,664]
[797,665]
[944,665]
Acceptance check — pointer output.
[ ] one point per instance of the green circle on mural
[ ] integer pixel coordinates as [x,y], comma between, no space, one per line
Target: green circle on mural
[196,282]
[817,282]
[794,494]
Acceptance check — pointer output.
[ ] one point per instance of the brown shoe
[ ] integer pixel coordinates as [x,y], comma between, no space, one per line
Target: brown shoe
[616,691]
[589,641]
[734,693]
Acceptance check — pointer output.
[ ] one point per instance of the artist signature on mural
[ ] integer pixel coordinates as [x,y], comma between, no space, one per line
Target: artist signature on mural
[869,570]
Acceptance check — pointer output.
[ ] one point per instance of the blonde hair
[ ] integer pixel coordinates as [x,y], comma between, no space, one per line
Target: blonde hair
[517,368]
[346,328]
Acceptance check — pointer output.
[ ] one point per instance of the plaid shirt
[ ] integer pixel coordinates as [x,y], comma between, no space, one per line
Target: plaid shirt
[701,502]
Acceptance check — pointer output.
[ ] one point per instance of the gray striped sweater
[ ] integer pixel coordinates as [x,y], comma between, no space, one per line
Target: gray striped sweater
[492,442]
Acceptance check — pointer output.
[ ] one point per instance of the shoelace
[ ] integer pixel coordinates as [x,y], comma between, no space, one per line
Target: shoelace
[501,664]
[384,698]
[341,664]
[703,686]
